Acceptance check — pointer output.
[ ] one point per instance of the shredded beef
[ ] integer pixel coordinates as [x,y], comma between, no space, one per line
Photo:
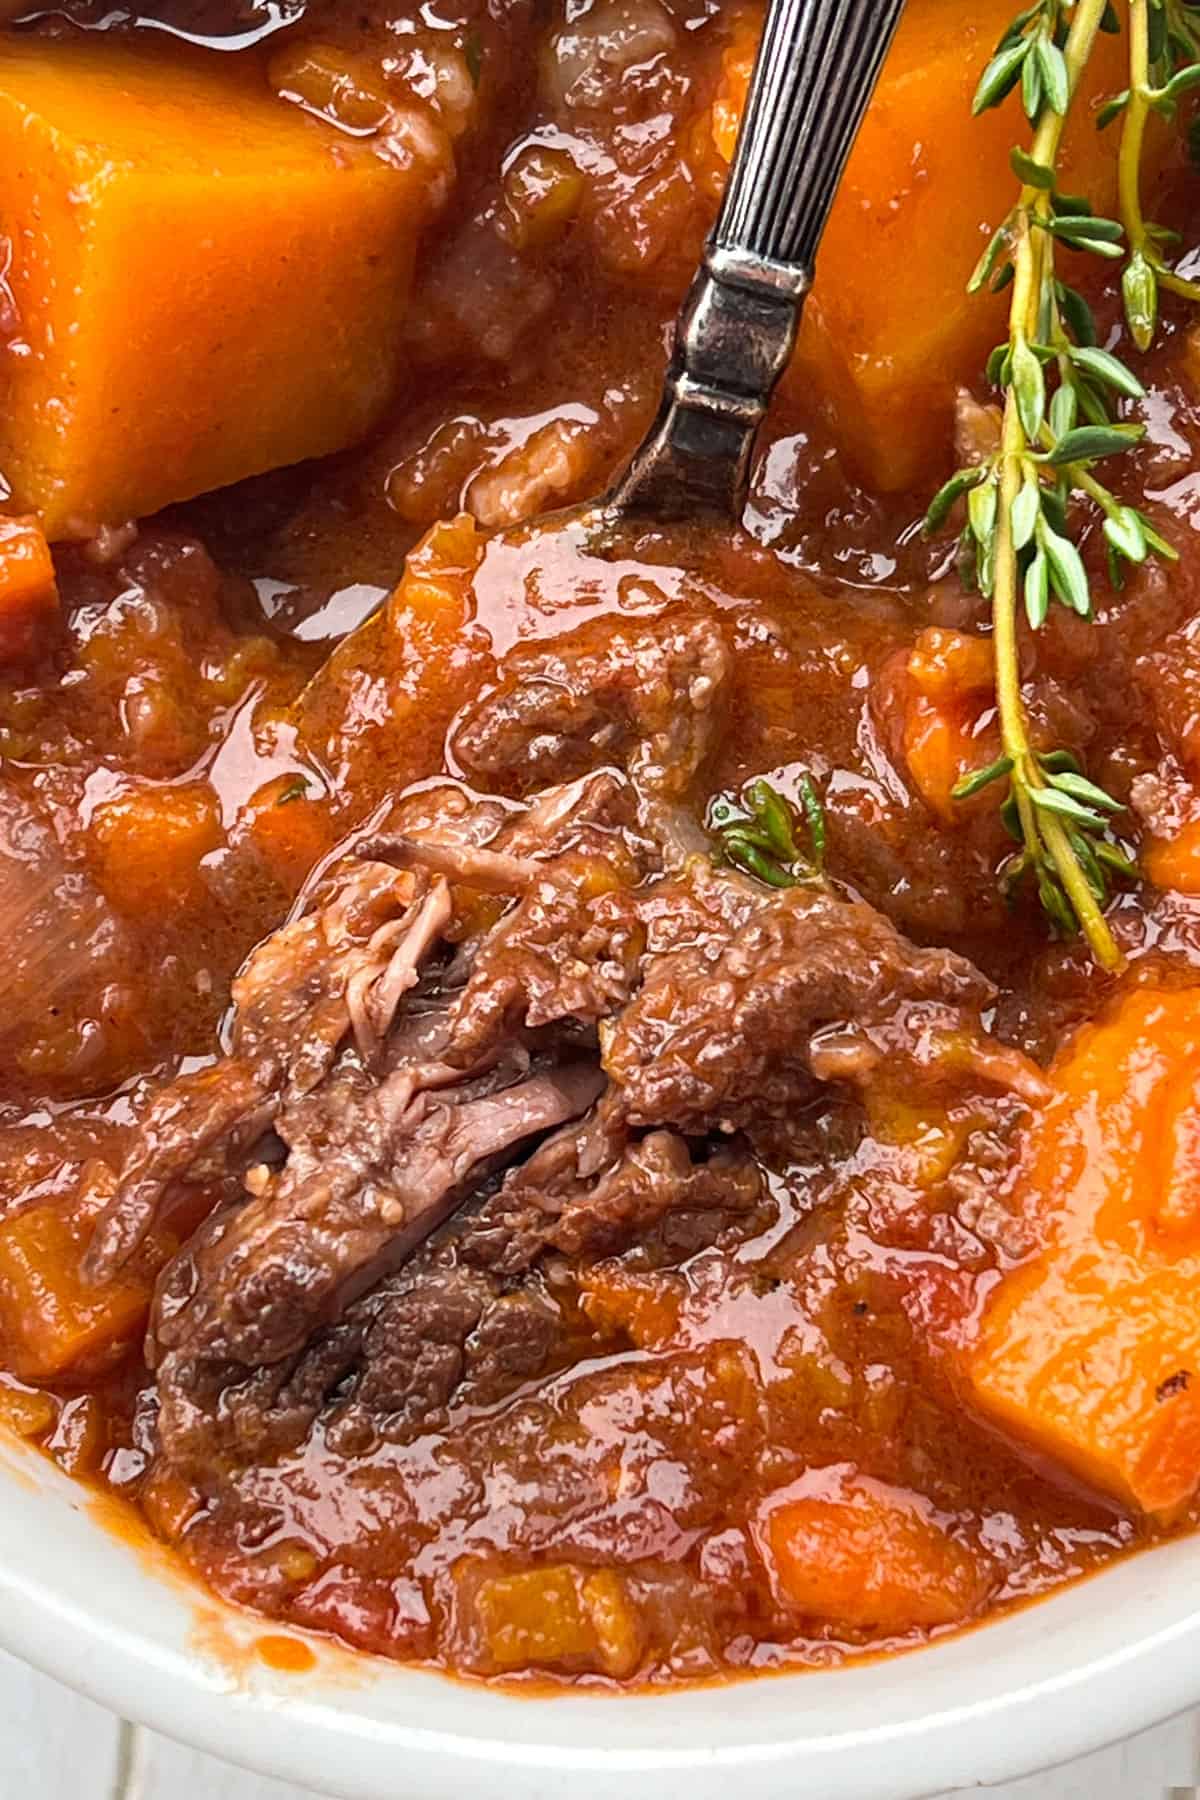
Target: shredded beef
[648,695]
[738,982]
[504,1037]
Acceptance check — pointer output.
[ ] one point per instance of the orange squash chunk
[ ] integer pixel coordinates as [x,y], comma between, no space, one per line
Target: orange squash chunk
[889,332]
[52,1322]
[560,1616]
[147,846]
[382,702]
[1090,1353]
[28,592]
[859,1553]
[1174,862]
[209,283]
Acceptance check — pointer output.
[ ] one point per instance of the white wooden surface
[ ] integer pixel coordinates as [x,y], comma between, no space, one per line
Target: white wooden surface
[55,1746]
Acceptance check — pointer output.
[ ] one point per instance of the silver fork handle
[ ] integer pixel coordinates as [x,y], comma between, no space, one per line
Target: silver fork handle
[814,75]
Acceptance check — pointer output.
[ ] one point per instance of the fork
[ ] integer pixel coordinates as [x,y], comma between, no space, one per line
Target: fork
[816,70]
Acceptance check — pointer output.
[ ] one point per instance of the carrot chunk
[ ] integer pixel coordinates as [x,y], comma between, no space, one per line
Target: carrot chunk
[645,1307]
[28,593]
[1090,1352]
[289,828]
[951,665]
[562,1617]
[1174,863]
[51,1321]
[859,1553]
[949,684]
[208,283]
[147,846]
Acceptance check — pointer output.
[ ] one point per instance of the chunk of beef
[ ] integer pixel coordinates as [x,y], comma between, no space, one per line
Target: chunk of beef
[448,1335]
[566,954]
[626,1015]
[252,1287]
[647,695]
[750,996]
[339,971]
[417,1103]
[468,1319]
[593,1191]
[371,1174]
[293,1003]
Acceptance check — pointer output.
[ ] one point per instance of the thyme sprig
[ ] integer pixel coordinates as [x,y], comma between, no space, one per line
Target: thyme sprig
[756,831]
[1062,398]
[1164,66]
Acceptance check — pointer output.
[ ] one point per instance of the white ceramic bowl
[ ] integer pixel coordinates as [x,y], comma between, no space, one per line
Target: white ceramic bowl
[1106,1658]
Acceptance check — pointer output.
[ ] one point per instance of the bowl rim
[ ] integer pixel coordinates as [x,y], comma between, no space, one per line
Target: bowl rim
[1092,1663]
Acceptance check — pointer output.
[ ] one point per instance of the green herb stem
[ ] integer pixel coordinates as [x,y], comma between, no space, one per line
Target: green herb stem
[1148,270]
[1033,245]
[1133,135]
[1062,393]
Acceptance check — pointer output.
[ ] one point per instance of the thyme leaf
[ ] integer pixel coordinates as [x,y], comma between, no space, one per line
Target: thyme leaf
[756,831]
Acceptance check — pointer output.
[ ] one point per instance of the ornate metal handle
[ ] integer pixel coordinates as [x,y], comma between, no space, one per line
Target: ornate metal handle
[816,69]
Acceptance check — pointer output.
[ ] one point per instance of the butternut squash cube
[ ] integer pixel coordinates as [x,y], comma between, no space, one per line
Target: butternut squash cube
[28,592]
[560,1616]
[51,1322]
[1090,1352]
[890,332]
[209,284]
[860,1554]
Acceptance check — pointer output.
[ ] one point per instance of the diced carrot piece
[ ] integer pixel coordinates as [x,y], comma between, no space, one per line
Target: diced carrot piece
[437,577]
[644,1307]
[859,1553]
[145,378]
[559,1617]
[147,846]
[51,1321]
[379,707]
[26,1411]
[947,685]
[939,751]
[289,828]
[1091,1351]
[28,592]
[951,665]
[888,336]
[1174,863]
[80,1438]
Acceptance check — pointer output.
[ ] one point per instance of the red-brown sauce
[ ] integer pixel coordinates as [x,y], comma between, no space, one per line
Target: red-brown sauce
[179,756]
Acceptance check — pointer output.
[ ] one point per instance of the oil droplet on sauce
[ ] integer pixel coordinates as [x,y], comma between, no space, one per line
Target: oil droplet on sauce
[286,1654]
